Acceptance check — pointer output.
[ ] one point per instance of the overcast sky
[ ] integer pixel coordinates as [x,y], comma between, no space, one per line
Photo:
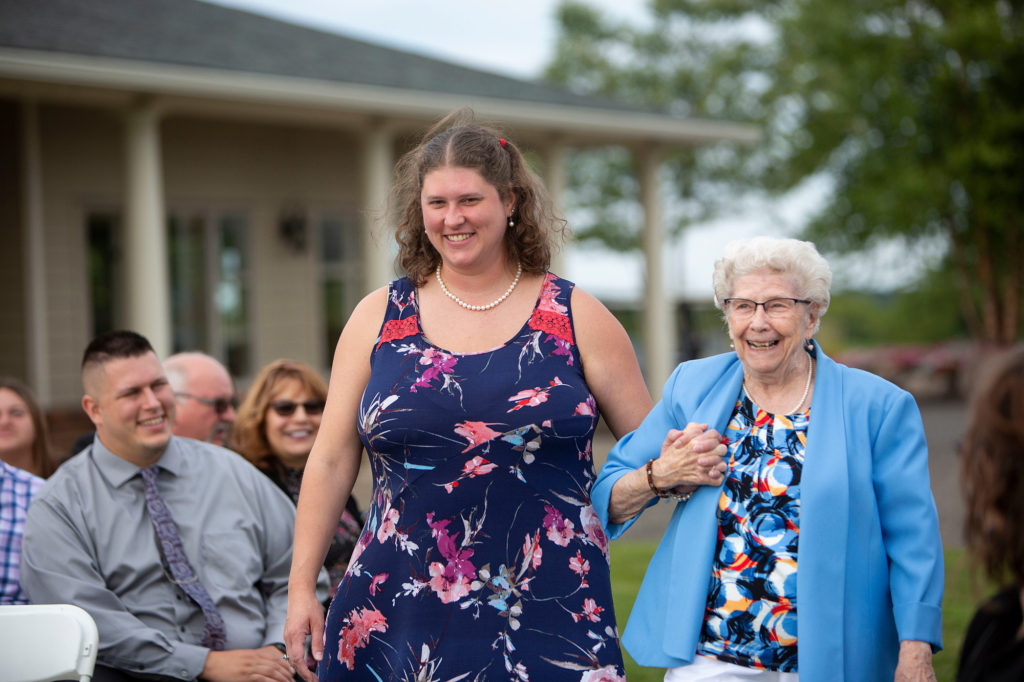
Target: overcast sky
[512,38]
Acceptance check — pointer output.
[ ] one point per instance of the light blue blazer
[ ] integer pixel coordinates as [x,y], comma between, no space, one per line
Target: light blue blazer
[870,567]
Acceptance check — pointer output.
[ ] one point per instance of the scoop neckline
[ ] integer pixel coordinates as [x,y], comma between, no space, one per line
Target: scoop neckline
[548,277]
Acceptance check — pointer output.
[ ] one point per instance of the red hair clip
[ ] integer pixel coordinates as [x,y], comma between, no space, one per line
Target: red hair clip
[502,141]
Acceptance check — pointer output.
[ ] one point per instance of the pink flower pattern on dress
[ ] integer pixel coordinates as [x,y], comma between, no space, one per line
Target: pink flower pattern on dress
[593,529]
[475,433]
[438,364]
[376,582]
[481,537]
[356,633]
[560,530]
[532,397]
[387,528]
[606,673]
[450,582]
[580,567]
[533,553]
[478,466]
[591,611]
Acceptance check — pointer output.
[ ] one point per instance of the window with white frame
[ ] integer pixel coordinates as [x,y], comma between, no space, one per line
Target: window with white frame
[208,260]
[209,267]
[341,273]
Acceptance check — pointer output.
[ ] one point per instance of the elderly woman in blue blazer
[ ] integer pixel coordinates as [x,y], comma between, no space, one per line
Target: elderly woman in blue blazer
[805,538]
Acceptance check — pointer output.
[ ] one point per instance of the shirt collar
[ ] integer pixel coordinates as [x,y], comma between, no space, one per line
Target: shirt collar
[119,471]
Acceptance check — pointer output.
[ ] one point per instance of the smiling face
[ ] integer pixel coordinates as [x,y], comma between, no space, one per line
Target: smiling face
[17,432]
[465,218]
[291,437]
[770,348]
[132,405]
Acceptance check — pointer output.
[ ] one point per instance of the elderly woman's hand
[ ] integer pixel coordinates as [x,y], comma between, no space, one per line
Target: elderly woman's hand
[689,458]
[915,662]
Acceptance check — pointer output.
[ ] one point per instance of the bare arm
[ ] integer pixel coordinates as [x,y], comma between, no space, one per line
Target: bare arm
[614,377]
[609,365]
[329,475]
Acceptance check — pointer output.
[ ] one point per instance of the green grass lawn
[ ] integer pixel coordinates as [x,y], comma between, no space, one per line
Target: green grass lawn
[963,593]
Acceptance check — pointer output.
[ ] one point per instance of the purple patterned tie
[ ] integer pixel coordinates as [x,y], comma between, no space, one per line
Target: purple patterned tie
[214,633]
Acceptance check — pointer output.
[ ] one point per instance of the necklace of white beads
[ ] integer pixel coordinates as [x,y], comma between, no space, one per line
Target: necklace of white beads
[469,306]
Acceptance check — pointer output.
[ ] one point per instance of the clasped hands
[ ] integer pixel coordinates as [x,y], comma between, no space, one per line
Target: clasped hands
[690,458]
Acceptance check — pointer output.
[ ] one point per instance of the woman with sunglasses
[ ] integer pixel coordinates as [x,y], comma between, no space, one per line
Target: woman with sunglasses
[275,429]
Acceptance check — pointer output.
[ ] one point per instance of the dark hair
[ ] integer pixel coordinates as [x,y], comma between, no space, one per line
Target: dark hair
[992,468]
[120,343]
[42,454]
[457,141]
[248,432]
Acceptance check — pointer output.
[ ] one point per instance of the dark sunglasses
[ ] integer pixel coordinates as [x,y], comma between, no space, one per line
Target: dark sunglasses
[286,408]
[219,405]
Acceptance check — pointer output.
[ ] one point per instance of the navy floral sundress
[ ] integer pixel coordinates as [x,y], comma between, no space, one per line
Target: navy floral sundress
[482,557]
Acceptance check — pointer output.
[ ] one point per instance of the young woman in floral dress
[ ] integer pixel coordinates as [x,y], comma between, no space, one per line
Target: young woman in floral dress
[475,384]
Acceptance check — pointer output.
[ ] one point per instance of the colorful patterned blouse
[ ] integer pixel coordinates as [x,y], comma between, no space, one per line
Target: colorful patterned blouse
[750,617]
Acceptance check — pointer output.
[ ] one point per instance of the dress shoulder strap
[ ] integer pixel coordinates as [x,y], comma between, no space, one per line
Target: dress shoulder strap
[401,318]
[553,313]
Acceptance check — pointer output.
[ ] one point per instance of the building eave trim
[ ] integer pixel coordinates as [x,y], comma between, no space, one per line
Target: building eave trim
[625,127]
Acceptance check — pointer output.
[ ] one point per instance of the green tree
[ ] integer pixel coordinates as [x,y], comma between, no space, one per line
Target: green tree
[913,110]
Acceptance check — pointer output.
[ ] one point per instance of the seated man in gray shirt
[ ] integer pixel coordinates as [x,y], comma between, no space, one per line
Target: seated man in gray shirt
[132,527]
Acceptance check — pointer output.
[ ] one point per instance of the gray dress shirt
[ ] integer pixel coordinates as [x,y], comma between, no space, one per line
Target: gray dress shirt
[89,541]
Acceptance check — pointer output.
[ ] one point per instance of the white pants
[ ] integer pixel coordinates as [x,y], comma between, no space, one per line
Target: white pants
[704,669]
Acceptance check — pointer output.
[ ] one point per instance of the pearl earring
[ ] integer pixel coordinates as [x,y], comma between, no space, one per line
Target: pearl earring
[809,346]
[511,222]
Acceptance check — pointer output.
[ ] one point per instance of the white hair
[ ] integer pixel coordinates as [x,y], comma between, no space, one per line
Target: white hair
[798,260]
[181,367]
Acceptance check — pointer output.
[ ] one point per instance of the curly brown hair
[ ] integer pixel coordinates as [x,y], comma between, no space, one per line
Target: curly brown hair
[248,433]
[43,460]
[458,141]
[992,468]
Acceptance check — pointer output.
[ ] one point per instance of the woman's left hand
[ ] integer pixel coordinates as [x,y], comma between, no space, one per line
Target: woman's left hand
[915,662]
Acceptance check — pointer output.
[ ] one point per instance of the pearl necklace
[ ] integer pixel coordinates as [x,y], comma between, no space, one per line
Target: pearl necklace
[467,306]
[807,387]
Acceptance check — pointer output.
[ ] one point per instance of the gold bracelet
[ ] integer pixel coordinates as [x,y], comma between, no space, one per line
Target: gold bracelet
[665,493]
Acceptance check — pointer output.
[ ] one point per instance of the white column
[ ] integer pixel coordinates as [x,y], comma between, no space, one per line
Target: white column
[379,247]
[145,230]
[36,303]
[555,179]
[658,315]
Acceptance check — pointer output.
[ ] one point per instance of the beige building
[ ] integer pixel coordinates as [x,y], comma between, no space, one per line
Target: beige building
[211,178]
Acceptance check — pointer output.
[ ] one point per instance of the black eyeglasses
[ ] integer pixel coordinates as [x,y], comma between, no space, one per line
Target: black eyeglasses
[219,405]
[773,307]
[286,408]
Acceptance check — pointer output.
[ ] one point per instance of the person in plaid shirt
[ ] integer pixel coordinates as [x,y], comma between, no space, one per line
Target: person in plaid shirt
[17,488]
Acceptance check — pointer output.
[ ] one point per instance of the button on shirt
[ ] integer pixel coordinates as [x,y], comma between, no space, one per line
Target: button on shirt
[17,488]
[89,541]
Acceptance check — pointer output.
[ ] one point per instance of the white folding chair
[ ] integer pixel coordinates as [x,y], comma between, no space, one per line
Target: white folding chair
[44,642]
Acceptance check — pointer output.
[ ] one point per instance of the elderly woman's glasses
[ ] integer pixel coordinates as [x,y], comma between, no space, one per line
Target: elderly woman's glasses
[773,307]
[219,405]
[286,408]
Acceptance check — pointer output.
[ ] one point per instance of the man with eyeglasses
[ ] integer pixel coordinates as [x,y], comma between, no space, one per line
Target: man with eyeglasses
[204,395]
